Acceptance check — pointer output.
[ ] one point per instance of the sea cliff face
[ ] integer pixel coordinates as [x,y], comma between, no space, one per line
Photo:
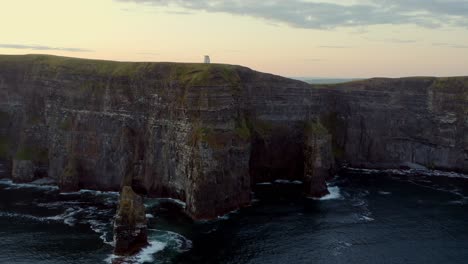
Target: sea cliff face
[207,133]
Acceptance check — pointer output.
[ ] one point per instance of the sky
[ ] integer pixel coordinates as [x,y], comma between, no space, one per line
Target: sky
[295,38]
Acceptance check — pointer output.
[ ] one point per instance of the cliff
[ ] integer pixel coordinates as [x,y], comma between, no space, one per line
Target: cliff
[206,133]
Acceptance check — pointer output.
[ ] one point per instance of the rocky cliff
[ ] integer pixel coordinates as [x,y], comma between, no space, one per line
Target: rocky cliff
[206,133]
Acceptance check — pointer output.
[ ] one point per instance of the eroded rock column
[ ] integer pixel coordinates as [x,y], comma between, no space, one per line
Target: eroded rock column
[130,227]
[319,162]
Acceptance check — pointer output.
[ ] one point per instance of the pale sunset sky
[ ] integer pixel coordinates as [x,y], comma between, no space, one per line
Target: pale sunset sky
[317,38]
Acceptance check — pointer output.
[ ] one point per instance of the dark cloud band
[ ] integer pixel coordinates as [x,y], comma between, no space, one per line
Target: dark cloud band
[320,15]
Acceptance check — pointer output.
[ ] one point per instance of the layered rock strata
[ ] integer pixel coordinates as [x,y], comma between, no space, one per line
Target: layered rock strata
[206,133]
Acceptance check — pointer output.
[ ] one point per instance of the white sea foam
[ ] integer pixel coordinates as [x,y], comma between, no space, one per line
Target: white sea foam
[426,172]
[384,193]
[15,186]
[281,181]
[334,194]
[459,202]
[59,204]
[93,192]
[175,201]
[341,245]
[68,217]
[149,216]
[146,255]
[24,216]
[183,244]
[367,218]
[173,240]
[100,228]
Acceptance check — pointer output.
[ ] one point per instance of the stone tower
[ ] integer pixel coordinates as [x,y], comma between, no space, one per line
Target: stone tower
[207,59]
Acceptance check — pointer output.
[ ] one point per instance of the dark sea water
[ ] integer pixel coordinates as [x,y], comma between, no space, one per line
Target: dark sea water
[369,218]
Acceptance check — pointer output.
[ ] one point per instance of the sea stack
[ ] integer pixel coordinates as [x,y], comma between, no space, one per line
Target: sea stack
[319,162]
[130,227]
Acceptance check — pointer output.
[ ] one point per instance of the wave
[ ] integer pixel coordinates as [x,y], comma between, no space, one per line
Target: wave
[280,181]
[159,241]
[14,186]
[25,216]
[146,254]
[366,218]
[70,218]
[384,193]
[149,216]
[173,240]
[424,172]
[334,194]
[91,192]
[66,218]
[85,213]
[173,201]
[101,229]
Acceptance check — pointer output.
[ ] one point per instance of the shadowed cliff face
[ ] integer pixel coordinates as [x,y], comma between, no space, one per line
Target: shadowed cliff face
[205,134]
[386,123]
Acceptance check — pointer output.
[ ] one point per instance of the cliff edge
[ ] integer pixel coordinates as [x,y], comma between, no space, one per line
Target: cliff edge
[206,133]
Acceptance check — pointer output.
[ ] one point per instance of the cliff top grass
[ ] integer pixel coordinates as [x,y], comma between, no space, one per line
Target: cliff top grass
[446,82]
[436,82]
[187,73]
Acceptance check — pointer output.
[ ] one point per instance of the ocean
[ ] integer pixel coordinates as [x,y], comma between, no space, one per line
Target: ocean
[369,217]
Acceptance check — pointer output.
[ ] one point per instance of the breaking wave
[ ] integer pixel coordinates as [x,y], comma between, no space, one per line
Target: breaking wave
[334,194]
[14,186]
[146,255]
[160,240]
[422,172]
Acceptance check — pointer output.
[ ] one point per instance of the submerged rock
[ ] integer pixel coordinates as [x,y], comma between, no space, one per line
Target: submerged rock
[130,227]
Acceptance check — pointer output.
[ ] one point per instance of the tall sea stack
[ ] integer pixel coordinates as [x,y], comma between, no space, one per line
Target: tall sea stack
[130,227]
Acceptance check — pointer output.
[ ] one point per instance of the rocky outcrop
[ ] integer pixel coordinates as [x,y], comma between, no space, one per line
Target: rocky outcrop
[130,227]
[23,171]
[69,180]
[319,163]
[206,133]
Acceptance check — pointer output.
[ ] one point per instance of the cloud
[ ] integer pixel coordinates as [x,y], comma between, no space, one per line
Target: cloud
[41,47]
[313,60]
[149,53]
[454,46]
[400,41]
[323,14]
[334,47]
[393,40]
